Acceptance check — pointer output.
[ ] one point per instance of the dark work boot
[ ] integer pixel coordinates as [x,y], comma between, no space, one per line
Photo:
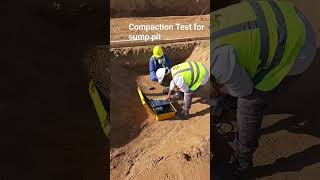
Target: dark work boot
[241,165]
[184,114]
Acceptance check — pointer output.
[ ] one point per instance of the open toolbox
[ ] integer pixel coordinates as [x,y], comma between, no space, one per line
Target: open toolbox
[160,108]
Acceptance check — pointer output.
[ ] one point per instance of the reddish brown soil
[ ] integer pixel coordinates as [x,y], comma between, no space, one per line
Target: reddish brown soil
[142,148]
[120,29]
[142,8]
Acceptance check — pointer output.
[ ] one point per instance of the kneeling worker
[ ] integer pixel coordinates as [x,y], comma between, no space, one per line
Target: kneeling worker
[158,60]
[187,77]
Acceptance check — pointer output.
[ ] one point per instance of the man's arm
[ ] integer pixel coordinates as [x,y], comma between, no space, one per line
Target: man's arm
[171,88]
[152,70]
[228,74]
[179,82]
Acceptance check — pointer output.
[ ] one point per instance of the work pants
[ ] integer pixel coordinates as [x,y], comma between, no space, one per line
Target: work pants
[187,100]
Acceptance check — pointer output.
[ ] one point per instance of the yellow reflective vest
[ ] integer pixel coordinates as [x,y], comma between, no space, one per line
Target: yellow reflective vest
[267,36]
[193,73]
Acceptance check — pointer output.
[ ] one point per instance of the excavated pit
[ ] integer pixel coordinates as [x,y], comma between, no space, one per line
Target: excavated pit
[138,142]
[130,68]
[131,8]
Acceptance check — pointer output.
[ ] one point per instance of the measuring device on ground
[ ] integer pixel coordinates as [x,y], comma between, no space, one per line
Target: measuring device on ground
[160,108]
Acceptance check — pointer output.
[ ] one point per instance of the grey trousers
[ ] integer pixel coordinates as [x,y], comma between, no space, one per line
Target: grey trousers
[250,111]
[187,100]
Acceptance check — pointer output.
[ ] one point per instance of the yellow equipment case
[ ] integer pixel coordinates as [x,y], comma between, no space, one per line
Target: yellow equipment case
[159,108]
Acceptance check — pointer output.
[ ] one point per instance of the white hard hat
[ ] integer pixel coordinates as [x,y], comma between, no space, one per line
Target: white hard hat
[161,73]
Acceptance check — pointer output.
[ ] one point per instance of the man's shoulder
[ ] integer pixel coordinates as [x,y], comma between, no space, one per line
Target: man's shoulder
[177,78]
[152,58]
[222,62]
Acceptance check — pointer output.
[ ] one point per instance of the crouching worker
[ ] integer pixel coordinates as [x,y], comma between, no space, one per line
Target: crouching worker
[253,64]
[158,60]
[186,77]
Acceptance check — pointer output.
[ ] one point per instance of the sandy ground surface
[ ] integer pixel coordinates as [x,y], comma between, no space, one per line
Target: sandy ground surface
[289,145]
[142,148]
[120,26]
[143,8]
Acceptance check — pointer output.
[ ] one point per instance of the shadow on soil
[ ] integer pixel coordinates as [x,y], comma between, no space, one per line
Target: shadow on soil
[303,96]
[222,152]
[203,98]
[300,98]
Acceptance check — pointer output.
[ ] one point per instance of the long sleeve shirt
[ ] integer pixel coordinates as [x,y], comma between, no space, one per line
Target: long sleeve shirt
[153,67]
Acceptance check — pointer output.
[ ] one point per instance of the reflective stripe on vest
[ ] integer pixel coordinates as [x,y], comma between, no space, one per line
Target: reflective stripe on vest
[282,39]
[268,64]
[260,23]
[194,81]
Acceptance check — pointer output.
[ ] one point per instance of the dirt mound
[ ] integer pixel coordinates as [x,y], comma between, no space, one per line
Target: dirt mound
[139,56]
[120,26]
[129,8]
[97,63]
[157,150]
[127,114]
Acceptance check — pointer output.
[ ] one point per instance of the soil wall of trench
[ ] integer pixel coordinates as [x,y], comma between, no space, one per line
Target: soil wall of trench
[116,73]
[147,8]
[128,116]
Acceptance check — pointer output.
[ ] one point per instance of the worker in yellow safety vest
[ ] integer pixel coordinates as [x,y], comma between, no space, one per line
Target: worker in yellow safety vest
[186,77]
[256,45]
